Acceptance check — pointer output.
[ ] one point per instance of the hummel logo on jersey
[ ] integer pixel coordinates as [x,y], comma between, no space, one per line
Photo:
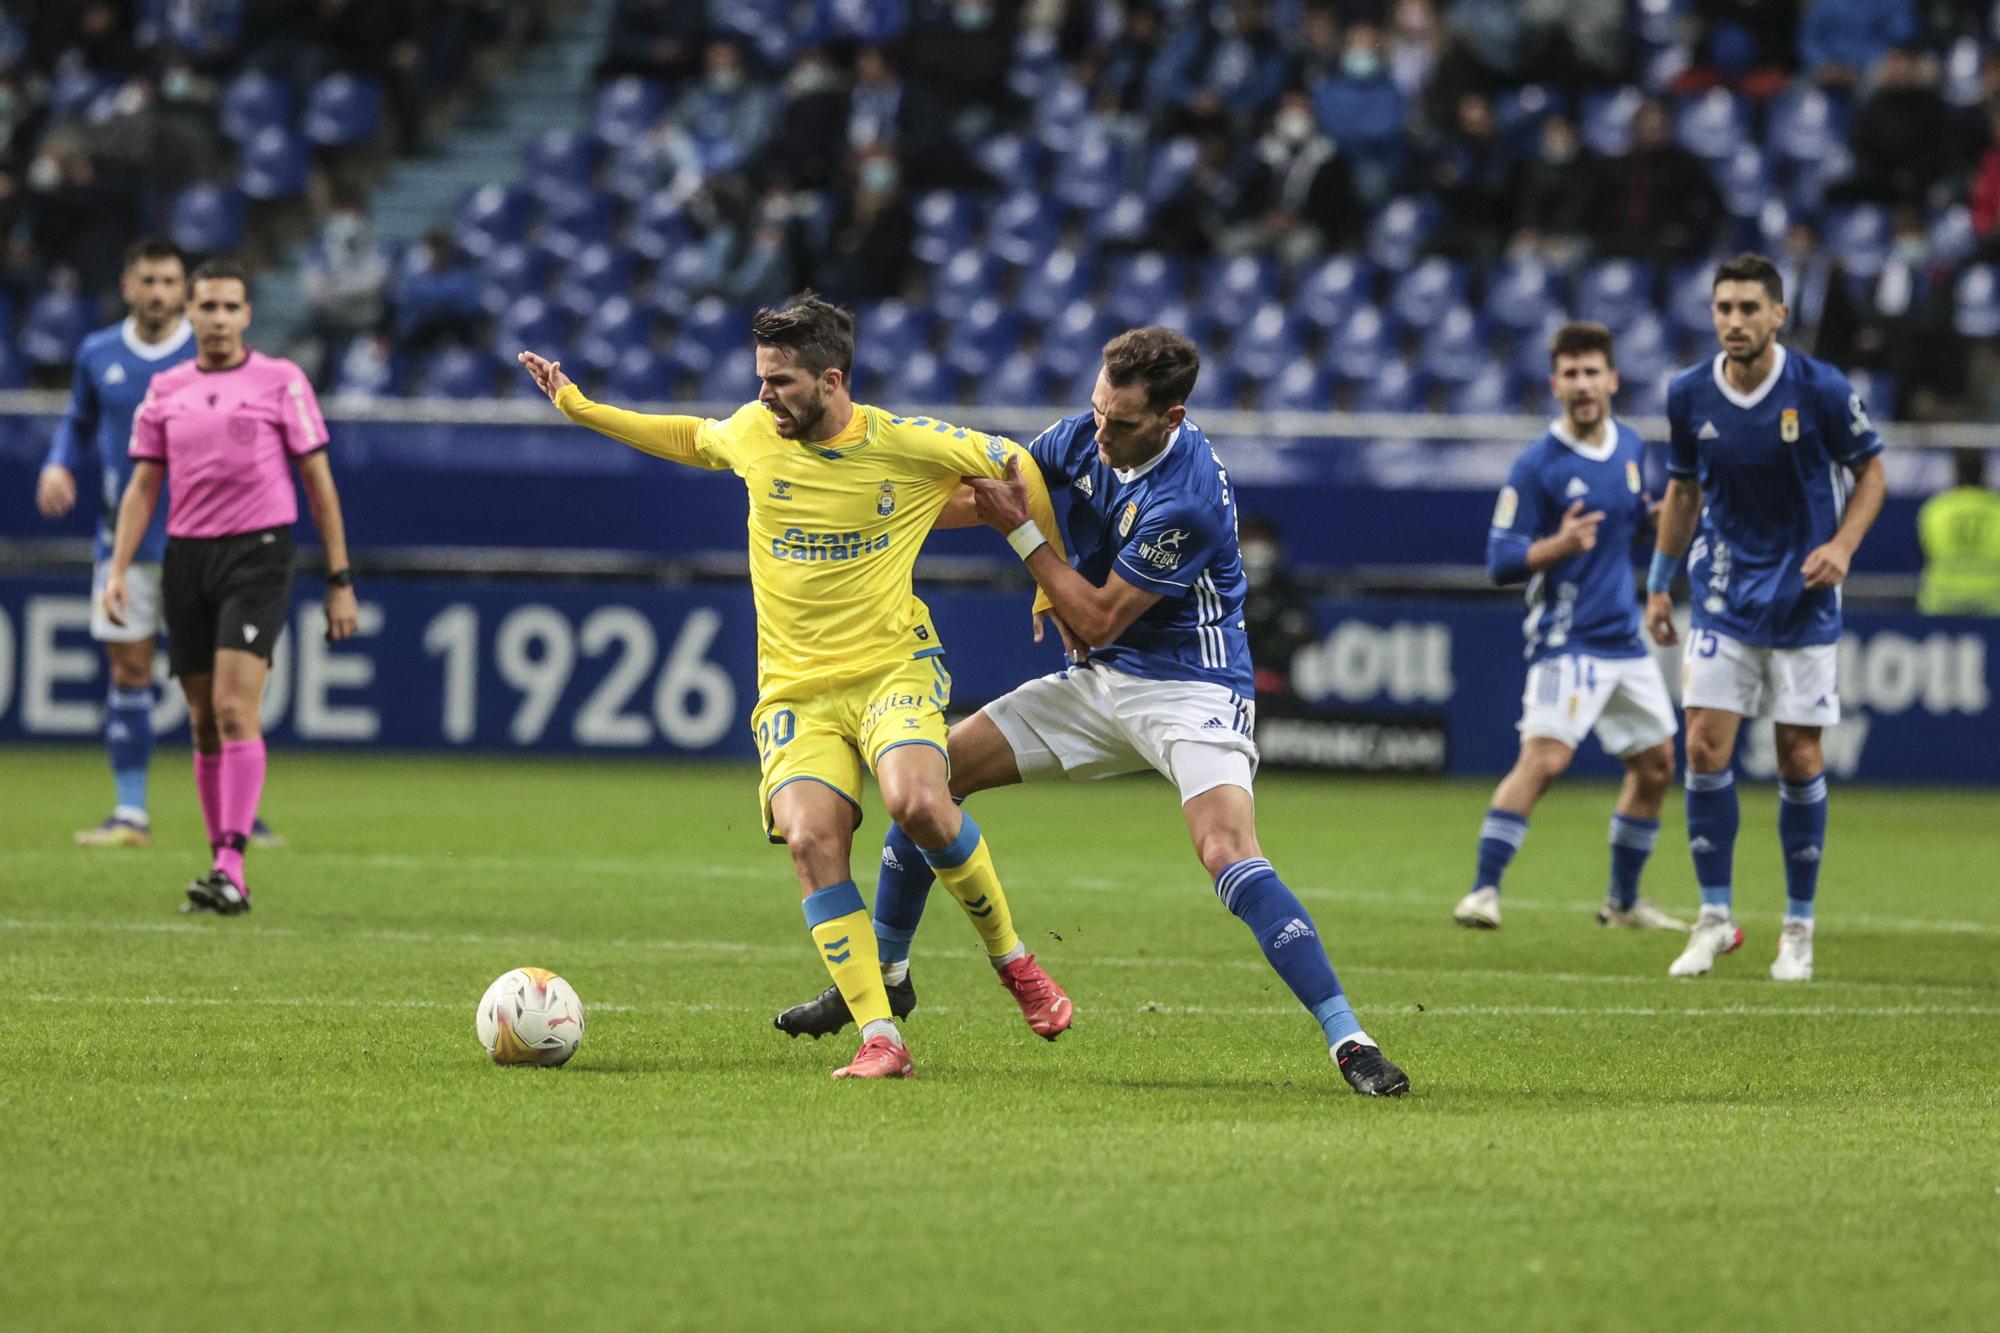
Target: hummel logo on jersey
[1577,486]
[249,634]
[780,489]
[1708,432]
[1700,844]
[1806,855]
[1295,929]
[1083,484]
[115,375]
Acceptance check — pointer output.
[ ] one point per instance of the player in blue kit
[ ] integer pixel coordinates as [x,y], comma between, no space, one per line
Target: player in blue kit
[113,367]
[1759,441]
[1152,613]
[1565,524]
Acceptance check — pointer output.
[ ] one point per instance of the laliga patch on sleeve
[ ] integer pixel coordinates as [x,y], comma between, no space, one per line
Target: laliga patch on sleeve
[1506,507]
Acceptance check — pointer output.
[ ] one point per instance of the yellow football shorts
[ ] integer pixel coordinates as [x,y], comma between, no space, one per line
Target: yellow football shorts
[824,735]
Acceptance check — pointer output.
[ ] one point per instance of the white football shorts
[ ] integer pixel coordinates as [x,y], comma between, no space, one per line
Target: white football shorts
[1093,722]
[1796,686]
[142,604]
[1623,699]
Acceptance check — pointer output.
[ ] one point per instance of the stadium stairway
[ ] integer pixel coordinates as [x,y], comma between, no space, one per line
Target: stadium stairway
[547,88]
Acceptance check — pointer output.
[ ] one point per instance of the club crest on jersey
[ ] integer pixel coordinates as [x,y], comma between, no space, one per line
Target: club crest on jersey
[1788,425]
[1130,517]
[885,499]
[1631,476]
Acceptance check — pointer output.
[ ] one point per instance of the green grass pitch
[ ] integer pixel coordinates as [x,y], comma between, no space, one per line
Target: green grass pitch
[284,1120]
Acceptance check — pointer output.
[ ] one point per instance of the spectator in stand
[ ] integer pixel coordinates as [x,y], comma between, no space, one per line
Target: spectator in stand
[1468,171]
[811,141]
[1570,43]
[346,279]
[1553,193]
[658,39]
[902,115]
[1901,139]
[1123,84]
[870,253]
[766,271]
[1195,218]
[962,50]
[1841,40]
[1489,35]
[1363,111]
[77,220]
[99,32]
[1749,45]
[1415,37]
[1297,200]
[728,117]
[437,300]
[1277,613]
[1985,185]
[1959,530]
[1319,47]
[1810,276]
[1660,202]
[1246,66]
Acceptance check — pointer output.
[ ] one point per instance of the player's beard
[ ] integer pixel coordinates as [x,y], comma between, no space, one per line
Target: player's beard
[805,423]
[1586,414]
[1752,350]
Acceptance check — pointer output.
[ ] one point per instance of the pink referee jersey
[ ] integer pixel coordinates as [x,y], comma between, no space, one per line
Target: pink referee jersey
[225,437]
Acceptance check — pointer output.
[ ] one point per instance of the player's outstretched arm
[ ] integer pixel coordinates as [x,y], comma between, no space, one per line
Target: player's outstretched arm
[669,437]
[343,612]
[135,514]
[1678,513]
[1096,615]
[1827,565]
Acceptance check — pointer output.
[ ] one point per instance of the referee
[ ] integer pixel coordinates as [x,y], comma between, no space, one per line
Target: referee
[223,427]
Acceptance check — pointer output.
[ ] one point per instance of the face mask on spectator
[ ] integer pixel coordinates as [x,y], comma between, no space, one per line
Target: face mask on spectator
[725,80]
[1361,63]
[972,18]
[1260,562]
[44,174]
[177,85]
[878,176]
[1294,125]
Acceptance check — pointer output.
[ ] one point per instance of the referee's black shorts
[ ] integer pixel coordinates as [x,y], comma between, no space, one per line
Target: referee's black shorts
[225,592]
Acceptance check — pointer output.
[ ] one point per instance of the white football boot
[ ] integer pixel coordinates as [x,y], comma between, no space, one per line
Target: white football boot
[1641,915]
[1479,909]
[1714,935]
[1794,960]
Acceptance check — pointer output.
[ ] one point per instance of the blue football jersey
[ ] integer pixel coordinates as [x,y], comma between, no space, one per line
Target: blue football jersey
[1770,468]
[113,369]
[1168,527]
[1588,603]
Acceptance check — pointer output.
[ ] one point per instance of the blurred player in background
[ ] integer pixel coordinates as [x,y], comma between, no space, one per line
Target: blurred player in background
[849,667]
[1152,614]
[1565,524]
[222,428]
[1758,439]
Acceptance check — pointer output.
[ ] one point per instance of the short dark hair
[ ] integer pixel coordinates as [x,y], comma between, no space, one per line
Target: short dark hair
[153,247]
[1167,363]
[215,270]
[1581,338]
[818,333]
[1748,267]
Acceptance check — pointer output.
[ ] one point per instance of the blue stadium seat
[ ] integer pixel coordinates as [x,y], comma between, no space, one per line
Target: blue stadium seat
[1220,386]
[731,377]
[1400,231]
[1976,299]
[490,217]
[944,225]
[642,375]
[55,324]
[1073,344]
[968,277]
[1088,176]
[607,330]
[1048,287]
[1645,351]
[206,219]
[13,366]
[1860,236]
[1522,293]
[1528,359]
[626,108]
[1169,168]
[1605,120]
[598,274]
[574,222]
[1614,292]
[1364,344]
[864,22]
[1808,183]
[458,373]
[343,110]
[633,172]
[925,380]
[1518,113]
[1236,288]
[1143,283]
[1330,291]
[1395,388]
[1060,112]
[1643,396]
[981,338]
[1745,179]
[254,101]
[531,322]
[1455,347]
[1120,224]
[659,226]
[1191,319]
[1014,161]
[74,88]
[1018,381]
[685,276]
[1492,392]
[1713,124]
[559,163]
[1951,237]
[509,272]
[371,377]
[275,163]
[1302,386]
[1878,392]
[890,332]
[1023,229]
[1265,343]
[1422,295]
[1804,124]
[1036,64]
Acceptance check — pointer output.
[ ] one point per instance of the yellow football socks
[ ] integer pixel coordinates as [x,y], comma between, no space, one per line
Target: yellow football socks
[845,938]
[966,869]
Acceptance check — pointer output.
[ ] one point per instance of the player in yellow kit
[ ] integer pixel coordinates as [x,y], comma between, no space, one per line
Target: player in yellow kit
[849,667]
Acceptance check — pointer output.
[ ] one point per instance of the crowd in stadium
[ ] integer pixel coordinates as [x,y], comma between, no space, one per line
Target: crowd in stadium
[1348,202]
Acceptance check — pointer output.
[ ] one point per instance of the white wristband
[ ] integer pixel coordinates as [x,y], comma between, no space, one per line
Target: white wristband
[1026,539]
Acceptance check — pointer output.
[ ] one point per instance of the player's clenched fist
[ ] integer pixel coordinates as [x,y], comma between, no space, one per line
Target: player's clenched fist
[1579,528]
[1660,619]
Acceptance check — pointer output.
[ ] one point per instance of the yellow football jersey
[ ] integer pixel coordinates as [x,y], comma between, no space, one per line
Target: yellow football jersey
[835,526]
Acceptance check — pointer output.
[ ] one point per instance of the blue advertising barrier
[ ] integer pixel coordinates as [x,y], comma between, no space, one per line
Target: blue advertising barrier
[1411,686]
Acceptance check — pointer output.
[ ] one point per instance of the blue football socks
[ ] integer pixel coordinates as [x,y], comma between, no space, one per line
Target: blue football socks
[1632,840]
[1500,836]
[901,888]
[1802,834]
[1712,817]
[1253,891]
[128,735]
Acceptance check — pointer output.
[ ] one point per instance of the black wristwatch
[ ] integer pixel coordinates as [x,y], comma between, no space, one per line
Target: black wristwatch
[340,578]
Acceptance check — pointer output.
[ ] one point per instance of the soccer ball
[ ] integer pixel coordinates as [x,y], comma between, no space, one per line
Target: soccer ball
[530,1016]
